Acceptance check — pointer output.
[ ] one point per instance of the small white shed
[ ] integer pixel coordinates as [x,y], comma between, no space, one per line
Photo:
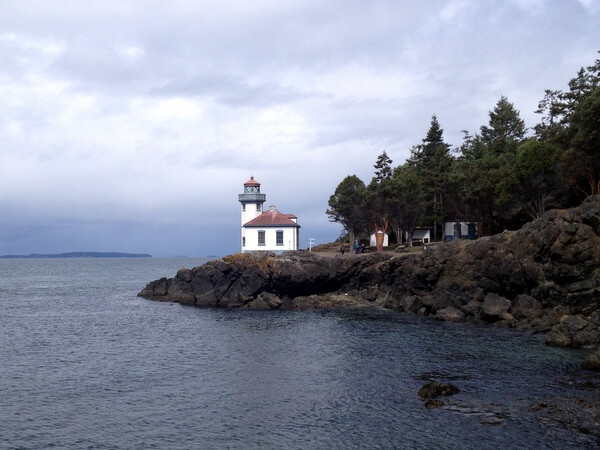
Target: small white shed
[373,239]
[421,236]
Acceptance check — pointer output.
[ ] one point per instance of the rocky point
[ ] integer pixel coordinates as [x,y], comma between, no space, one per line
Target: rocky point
[544,277]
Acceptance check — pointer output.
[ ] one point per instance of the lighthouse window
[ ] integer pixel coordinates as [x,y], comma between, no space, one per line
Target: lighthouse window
[258,207]
[261,237]
[243,207]
[279,237]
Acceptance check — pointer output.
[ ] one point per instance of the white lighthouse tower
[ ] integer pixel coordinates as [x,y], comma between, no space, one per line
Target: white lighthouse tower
[252,204]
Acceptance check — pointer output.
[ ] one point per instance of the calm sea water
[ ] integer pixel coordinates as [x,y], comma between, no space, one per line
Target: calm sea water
[84,363]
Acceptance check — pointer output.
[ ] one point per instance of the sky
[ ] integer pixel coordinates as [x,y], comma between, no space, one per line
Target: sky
[132,125]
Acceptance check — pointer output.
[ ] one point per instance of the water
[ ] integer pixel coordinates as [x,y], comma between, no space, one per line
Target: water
[87,364]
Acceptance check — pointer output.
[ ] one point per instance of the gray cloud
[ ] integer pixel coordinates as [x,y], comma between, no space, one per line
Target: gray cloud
[137,122]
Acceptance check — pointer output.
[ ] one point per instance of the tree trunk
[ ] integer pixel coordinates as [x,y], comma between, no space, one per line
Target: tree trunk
[442,215]
[434,217]
[380,236]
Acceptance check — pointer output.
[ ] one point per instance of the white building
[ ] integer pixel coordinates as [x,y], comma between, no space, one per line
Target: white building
[457,229]
[265,231]
[420,236]
[373,239]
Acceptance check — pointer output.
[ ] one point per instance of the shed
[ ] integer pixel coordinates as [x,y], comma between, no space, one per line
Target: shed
[373,239]
[421,236]
[460,229]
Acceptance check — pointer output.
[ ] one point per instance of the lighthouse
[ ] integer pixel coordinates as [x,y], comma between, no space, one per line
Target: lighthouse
[252,205]
[265,231]
[252,200]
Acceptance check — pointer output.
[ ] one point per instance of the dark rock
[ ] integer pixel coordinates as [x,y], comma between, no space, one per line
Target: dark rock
[156,290]
[578,286]
[472,308]
[574,330]
[592,362]
[327,301]
[432,404]
[574,323]
[185,275]
[410,303]
[495,307]
[265,300]
[434,389]
[450,313]
[526,307]
[558,338]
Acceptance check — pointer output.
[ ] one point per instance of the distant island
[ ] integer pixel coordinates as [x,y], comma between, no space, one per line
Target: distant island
[80,255]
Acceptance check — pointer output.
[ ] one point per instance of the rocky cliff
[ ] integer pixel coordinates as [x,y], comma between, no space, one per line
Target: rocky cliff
[544,277]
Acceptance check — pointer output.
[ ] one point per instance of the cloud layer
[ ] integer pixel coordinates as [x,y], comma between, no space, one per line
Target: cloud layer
[131,126]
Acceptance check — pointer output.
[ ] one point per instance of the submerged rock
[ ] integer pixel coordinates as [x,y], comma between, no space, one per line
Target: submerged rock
[432,404]
[592,362]
[434,389]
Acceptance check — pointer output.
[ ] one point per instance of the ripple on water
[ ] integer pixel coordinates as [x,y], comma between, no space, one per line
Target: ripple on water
[87,364]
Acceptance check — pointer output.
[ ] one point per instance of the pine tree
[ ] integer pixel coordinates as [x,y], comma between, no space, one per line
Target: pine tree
[433,161]
[381,197]
[383,167]
[506,129]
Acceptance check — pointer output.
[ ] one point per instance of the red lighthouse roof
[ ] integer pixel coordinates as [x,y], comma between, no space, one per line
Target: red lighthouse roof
[272,218]
[252,182]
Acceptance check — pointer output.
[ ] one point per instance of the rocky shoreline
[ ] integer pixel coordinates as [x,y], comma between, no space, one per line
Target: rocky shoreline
[543,278]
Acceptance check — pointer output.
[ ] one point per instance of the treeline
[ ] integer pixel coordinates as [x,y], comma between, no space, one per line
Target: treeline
[500,178]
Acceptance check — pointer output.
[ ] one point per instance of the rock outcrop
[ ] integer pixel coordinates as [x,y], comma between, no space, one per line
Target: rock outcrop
[544,277]
[295,280]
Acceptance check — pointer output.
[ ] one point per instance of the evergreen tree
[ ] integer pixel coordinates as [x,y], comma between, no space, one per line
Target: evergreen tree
[584,150]
[500,179]
[570,121]
[433,162]
[533,185]
[383,167]
[481,172]
[506,129]
[381,197]
[550,128]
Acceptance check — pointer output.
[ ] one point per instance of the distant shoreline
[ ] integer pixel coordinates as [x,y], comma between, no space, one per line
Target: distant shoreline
[78,255]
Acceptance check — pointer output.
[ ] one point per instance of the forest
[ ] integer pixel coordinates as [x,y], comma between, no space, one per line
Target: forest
[499,178]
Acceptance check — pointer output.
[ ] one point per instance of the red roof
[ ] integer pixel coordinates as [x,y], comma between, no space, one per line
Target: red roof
[272,218]
[251,182]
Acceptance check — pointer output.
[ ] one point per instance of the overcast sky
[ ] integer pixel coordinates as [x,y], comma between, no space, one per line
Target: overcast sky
[132,125]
